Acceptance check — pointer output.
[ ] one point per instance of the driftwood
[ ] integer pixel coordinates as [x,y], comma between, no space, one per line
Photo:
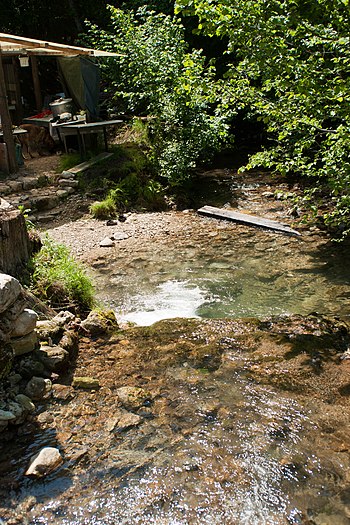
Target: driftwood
[245,218]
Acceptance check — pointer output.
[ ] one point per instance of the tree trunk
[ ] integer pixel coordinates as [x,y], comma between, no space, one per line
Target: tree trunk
[14,240]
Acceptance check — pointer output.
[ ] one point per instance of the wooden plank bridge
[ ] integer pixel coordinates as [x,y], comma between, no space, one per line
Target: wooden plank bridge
[245,218]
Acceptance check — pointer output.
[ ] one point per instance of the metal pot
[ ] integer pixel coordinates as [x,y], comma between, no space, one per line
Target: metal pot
[61,106]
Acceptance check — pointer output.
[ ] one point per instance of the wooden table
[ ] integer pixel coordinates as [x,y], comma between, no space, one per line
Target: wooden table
[76,128]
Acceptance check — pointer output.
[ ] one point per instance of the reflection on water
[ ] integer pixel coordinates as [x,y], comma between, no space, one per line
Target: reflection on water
[241,455]
[232,275]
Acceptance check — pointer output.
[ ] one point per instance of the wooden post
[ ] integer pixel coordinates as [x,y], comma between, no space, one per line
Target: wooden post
[36,82]
[6,122]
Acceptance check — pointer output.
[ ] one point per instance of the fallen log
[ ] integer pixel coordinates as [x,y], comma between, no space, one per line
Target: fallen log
[245,218]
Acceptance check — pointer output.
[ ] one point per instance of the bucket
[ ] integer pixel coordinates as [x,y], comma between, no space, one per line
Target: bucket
[61,106]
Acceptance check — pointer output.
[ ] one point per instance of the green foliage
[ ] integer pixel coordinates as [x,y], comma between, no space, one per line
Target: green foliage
[68,160]
[105,209]
[58,279]
[290,68]
[157,76]
[131,191]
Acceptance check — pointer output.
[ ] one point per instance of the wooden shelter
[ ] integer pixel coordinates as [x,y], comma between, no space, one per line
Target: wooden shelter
[20,47]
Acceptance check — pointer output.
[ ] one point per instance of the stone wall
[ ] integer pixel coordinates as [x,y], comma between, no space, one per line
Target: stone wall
[15,247]
[32,352]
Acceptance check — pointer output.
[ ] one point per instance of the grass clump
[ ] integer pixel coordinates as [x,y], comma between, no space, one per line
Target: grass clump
[59,280]
[68,161]
[105,209]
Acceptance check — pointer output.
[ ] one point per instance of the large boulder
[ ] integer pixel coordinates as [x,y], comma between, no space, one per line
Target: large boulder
[10,289]
[25,323]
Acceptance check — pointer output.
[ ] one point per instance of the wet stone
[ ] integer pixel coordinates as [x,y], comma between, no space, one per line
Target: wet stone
[88,383]
[133,398]
[46,461]
[123,421]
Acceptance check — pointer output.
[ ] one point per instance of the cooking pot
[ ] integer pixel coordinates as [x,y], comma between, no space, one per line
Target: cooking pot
[60,106]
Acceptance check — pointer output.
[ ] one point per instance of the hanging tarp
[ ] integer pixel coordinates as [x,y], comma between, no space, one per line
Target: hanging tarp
[81,78]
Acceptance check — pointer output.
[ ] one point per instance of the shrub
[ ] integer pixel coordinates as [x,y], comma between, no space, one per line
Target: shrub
[59,280]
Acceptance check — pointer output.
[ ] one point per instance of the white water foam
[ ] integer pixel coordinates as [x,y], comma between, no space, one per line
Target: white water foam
[172,299]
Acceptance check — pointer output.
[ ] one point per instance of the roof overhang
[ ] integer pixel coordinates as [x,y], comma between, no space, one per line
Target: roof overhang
[12,45]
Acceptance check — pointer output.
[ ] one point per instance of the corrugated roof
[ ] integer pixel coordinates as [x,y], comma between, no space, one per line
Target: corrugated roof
[12,45]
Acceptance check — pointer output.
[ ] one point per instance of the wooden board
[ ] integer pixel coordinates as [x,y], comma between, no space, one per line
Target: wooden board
[245,218]
[85,165]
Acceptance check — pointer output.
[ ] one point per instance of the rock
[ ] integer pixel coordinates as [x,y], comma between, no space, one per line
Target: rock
[8,318]
[120,236]
[38,388]
[6,415]
[70,342]
[62,392]
[10,289]
[25,344]
[25,403]
[6,359]
[106,243]
[67,175]
[48,329]
[29,367]
[18,412]
[45,202]
[54,358]
[99,322]
[68,182]
[124,421]
[86,382]
[64,317]
[133,398]
[46,461]
[25,323]
[45,417]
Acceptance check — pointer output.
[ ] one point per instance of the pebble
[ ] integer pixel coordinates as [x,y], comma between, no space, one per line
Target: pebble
[120,236]
[106,243]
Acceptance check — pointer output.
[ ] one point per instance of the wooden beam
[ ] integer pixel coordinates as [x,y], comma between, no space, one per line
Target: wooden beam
[6,122]
[36,83]
[245,218]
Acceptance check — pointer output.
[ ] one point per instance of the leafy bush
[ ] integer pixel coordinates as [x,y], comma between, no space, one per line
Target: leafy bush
[58,279]
[157,76]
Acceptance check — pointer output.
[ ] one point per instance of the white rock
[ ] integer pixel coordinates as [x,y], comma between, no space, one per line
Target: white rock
[46,461]
[63,317]
[9,291]
[25,323]
[120,236]
[106,243]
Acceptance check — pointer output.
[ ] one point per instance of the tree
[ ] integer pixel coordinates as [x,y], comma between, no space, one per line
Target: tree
[290,67]
[157,76]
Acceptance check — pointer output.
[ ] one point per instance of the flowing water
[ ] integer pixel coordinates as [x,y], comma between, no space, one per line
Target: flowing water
[224,449]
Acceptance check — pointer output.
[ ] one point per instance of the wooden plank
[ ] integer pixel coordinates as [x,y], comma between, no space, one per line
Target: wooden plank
[245,218]
[85,165]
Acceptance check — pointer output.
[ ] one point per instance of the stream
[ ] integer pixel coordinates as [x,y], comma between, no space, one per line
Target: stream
[242,424]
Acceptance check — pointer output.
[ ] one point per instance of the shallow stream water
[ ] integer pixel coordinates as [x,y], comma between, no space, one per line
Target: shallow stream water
[217,447]
[225,271]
